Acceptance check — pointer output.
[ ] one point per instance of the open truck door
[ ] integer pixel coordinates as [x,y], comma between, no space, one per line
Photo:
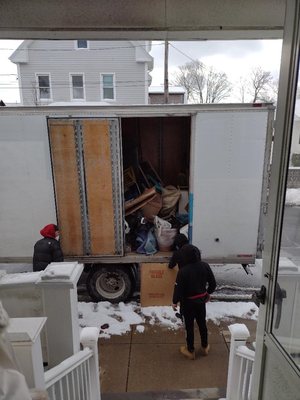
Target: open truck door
[229,181]
[86,169]
[86,172]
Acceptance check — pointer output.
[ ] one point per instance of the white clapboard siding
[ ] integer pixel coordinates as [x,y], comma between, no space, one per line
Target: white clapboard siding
[60,59]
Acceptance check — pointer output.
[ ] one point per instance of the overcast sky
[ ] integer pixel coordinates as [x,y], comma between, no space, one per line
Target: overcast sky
[235,58]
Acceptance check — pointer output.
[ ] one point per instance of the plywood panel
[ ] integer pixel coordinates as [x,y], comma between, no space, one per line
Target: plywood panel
[63,152]
[98,173]
[157,284]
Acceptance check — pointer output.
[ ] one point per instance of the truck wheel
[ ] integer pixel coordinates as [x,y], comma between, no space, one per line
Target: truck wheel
[109,284]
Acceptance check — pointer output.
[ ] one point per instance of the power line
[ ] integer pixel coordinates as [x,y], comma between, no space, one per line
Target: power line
[190,58]
[3,85]
[184,54]
[67,84]
[81,49]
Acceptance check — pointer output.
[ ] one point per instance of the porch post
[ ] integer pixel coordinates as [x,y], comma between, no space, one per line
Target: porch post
[58,283]
[239,335]
[24,336]
[89,338]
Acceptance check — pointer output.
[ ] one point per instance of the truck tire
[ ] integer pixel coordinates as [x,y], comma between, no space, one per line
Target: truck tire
[109,283]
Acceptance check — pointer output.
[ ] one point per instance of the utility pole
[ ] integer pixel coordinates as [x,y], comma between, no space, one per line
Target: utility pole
[166,77]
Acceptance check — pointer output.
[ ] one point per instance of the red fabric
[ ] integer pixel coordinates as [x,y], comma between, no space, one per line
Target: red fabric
[48,231]
[198,296]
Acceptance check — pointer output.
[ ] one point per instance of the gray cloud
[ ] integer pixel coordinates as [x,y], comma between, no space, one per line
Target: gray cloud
[200,49]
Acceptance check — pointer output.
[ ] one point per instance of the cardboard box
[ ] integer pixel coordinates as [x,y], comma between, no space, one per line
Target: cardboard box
[157,284]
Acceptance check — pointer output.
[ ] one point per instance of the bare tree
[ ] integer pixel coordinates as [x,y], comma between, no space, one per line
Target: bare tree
[260,82]
[34,93]
[189,77]
[271,92]
[203,84]
[241,87]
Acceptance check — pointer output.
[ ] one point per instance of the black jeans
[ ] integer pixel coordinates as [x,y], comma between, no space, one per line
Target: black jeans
[194,311]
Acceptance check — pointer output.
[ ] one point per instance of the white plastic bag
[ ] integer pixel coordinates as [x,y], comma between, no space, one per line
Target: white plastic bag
[164,233]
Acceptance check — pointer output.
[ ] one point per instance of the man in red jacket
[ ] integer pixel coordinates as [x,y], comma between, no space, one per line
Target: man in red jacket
[194,284]
[48,249]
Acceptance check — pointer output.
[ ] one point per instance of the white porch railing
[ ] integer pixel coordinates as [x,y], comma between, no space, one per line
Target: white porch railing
[41,294]
[241,360]
[77,377]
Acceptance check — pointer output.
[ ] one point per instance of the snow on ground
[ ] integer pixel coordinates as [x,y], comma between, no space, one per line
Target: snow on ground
[292,197]
[116,319]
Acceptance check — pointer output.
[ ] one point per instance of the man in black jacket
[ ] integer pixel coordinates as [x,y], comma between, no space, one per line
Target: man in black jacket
[177,257]
[48,249]
[194,284]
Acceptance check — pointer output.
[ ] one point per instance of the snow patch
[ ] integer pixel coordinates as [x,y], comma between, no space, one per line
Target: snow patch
[117,319]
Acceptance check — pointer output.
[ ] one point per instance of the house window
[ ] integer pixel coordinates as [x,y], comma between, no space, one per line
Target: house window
[108,86]
[77,90]
[44,90]
[82,44]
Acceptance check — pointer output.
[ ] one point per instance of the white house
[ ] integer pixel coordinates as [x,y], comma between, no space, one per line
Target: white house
[77,71]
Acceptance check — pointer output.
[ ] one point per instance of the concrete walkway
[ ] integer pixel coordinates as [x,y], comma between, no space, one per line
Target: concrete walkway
[149,365]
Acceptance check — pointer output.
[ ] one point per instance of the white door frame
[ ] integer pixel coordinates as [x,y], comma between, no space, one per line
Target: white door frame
[266,343]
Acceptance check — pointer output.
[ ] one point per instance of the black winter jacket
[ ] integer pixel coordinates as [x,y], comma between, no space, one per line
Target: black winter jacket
[46,250]
[193,280]
[178,258]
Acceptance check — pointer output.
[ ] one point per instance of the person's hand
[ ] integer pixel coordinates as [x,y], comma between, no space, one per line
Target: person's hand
[174,306]
[207,298]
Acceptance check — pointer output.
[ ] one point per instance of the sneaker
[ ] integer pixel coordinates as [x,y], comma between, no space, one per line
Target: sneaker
[205,350]
[190,355]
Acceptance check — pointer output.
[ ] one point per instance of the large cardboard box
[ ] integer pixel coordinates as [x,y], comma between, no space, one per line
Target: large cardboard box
[157,284]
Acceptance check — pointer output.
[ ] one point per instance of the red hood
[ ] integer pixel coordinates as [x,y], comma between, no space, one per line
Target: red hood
[48,231]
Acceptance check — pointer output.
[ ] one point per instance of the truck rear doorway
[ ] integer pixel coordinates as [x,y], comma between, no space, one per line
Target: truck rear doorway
[156,162]
[87,157]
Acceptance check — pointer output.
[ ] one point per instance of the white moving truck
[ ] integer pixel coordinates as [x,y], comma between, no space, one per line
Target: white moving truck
[65,164]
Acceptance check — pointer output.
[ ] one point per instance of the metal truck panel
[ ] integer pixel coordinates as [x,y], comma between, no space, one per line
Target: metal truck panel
[26,195]
[228,154]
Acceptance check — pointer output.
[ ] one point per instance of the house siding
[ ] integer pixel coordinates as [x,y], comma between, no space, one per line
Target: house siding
[60,59]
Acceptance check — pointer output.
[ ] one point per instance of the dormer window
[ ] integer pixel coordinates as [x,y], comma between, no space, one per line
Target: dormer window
[82,44]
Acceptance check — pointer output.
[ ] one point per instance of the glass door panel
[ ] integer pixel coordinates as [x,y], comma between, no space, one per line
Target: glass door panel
[286,308]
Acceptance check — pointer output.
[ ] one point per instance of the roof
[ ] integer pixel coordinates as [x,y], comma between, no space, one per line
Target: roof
[20,55]
[172,90]
[79,103]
